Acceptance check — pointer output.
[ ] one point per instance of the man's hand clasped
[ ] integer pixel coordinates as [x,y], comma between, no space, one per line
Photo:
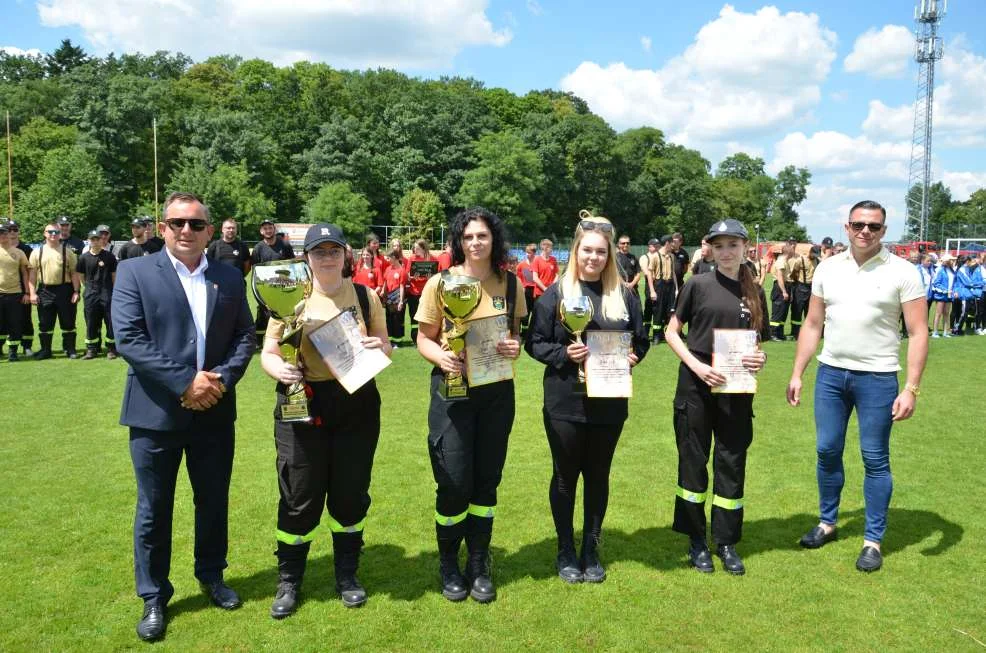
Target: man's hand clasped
[204,392]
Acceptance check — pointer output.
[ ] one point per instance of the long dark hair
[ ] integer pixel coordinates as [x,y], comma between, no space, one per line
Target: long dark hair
[498,253]
[751,296]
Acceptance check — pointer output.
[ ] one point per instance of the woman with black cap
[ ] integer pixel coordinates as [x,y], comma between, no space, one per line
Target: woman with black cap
[582,431]
[727,298]
[326,462]
[467,438]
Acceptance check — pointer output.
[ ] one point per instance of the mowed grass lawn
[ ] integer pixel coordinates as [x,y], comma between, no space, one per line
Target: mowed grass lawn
[68,502]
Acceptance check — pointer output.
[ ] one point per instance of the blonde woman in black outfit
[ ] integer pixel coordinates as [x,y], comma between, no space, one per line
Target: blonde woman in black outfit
[729,297]
[583,432]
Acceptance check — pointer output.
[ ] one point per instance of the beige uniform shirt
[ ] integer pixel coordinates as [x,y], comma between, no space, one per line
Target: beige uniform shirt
[54,270]
[319,309]
[662,267]
[12,261]
[492,302]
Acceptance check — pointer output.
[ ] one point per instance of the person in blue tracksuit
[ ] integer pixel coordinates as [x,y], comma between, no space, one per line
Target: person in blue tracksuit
[963,295]
[942,293]
[979,290]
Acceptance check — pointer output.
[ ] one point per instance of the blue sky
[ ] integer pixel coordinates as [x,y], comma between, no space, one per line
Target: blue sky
[826,85]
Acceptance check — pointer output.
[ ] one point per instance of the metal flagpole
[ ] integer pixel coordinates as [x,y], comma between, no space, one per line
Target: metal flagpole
[10,174]
[156,207]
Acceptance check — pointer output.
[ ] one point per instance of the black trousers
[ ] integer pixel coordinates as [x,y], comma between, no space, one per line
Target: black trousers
[395,322]
[648,316]
[778,309]
[11,318]
[663,305]
[56,302]
[327,464]
[800,296]
[529,298]
[467,442]
[698,416]
[27,324]
[96,310]
[263,317]
[412,302]
[156,456]
[981,312]
[586,449]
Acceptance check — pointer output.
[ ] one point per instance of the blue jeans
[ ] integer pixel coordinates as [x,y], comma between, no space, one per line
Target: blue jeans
[872,394]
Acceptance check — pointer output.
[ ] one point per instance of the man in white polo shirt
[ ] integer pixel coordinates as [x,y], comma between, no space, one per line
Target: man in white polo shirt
[858,296]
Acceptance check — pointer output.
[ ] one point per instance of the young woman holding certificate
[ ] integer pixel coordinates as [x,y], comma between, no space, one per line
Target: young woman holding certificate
[467,436]
[325,462]
[724,305]
[583,430]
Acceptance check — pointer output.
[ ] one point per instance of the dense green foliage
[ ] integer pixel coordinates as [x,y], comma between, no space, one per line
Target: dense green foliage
[262,141]
[948,218]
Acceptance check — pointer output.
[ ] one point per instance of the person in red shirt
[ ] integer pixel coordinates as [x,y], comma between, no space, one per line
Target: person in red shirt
[368,273]
[394,282]
[396,246]
[525,273]
[545,268]
[416,283]
[379,260]
[444,259]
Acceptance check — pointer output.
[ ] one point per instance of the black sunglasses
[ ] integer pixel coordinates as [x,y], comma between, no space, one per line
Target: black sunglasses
[874,227]
[592,225]
[178,224]
[54,232]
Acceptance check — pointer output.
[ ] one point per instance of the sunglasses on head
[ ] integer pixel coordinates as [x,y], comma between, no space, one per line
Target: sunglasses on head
[177,224]
[592,225]
[874,227]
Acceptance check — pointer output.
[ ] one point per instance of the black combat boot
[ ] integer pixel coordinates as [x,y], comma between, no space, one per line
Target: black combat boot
[480,575]
[346,548]
[591,566]
[568,564]
[68,344]
[291,559]
[449,538]
[111,351]
[45,351]
[90,353]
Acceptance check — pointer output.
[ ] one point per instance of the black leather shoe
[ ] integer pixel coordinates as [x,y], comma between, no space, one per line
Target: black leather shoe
[592,568]
[286,600]
[568,566]
[153,623]
[222,595]
[700,557]
[351,591]
[731,561]
[816,538]
[454,586]
[70,354]
[870,559]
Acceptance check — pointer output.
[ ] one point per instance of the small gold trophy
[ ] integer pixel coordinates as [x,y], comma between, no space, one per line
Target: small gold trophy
[460,298]
[282,288]
[575,314]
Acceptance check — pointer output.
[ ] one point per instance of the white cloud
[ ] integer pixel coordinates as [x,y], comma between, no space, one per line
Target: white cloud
[645,43]
[17,52]
[851,157]
[743,74]
[964,184]
[534,7]
[959,117]
[413,34]
[883,53]
[827,205]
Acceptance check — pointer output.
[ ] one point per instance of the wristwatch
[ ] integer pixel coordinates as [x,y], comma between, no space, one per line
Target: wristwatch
[913,389]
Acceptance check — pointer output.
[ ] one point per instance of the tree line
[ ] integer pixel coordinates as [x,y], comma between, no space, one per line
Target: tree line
[308,142]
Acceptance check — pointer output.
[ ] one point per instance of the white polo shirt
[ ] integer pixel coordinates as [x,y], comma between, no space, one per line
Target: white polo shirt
[862,309]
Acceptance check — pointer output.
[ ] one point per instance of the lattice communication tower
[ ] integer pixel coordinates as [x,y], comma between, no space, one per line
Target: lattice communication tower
[928,15]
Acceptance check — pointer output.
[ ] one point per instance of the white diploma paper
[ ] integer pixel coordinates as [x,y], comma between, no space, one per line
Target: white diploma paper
[484,365]
[607,368]
[340,343]
[728,348]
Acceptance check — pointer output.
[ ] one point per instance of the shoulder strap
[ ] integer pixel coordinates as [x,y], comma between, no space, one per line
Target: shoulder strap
[364,302]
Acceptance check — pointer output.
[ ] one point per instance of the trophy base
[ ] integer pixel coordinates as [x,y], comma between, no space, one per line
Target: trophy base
[295,409]
[454,391]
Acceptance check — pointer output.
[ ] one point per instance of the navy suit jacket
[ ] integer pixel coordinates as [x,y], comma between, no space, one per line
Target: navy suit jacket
[155,334]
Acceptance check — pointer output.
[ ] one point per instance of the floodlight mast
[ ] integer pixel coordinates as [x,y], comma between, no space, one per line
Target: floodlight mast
[928,15]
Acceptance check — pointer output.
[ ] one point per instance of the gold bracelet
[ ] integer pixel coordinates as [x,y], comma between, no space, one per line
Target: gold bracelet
[913,389]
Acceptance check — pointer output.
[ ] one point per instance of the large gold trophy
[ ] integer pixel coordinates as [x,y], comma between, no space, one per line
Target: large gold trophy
[460,298]
[282,288]
[575,314]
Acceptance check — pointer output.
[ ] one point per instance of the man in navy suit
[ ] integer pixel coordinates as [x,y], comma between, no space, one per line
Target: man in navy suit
[185,329]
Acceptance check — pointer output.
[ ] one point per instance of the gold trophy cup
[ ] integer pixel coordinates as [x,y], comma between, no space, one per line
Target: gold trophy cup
[282,288]
[575,314]
[460,298]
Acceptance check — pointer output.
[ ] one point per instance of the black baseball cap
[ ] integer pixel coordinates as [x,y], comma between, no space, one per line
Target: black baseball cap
[64,220]
[816,250]
[95,233]
[791,240]
[827,241]
[11,224]
[665,239]
[727,227]
[101,228]
[323,232]
[3,227]
[266,221]
[653,241]
[137,222]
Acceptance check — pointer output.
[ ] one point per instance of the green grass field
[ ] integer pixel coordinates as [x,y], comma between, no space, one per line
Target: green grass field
[68,501]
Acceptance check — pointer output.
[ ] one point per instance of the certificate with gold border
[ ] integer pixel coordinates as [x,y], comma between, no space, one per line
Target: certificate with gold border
[729,346]
[607,367]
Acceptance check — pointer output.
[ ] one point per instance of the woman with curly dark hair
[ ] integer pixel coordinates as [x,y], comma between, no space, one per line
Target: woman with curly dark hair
[467,437]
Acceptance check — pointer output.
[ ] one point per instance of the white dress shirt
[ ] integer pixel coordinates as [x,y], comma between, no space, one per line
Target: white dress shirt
[197,292]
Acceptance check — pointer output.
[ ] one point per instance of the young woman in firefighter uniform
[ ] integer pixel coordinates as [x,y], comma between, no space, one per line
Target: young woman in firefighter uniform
[582,431]
[325,463]
[467,438]
[728,298]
